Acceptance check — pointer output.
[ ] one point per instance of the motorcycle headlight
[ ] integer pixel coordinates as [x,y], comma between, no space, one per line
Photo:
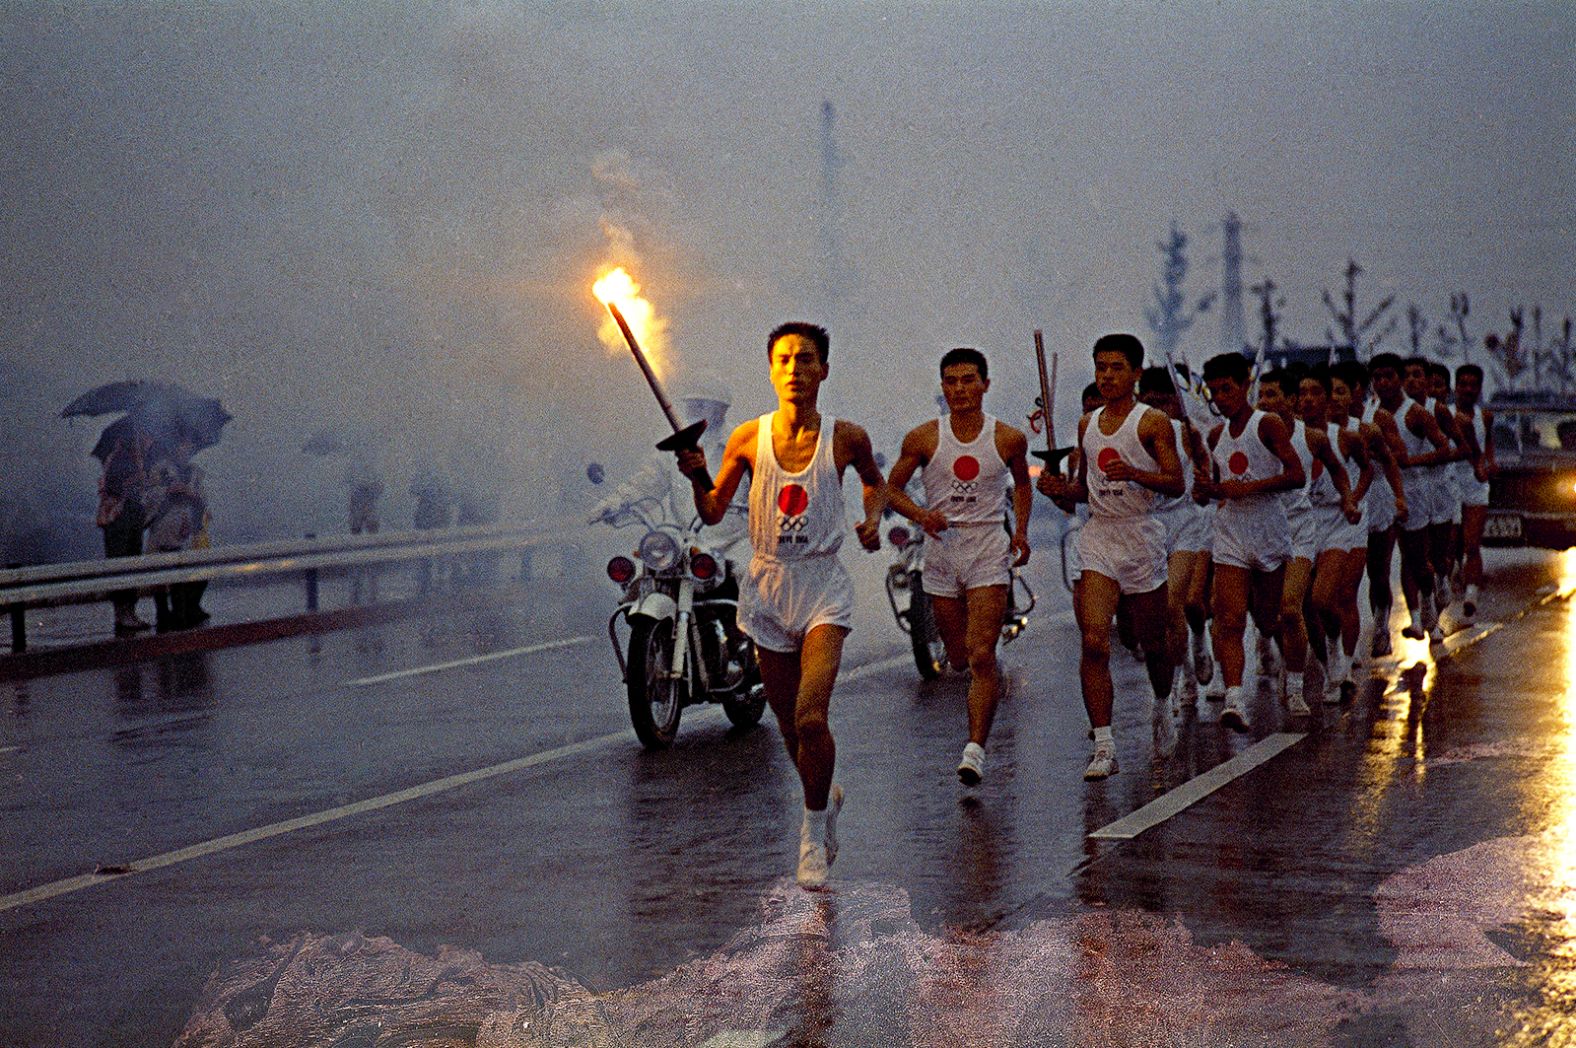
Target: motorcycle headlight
[658,551]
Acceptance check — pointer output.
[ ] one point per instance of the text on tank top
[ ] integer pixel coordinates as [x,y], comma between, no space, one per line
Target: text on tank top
[966,483]
[1117,498]
[1245,457]
[796,515]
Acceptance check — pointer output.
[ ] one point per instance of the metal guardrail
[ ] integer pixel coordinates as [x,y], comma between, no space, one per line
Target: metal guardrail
[87,581]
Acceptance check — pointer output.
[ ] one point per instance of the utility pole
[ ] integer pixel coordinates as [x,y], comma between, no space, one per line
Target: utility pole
[833,276]
[1232,339]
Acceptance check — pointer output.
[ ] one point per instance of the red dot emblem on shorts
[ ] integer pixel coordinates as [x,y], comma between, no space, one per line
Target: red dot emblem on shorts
[967,467]
[793,500]
[1107,458]
[1237,463]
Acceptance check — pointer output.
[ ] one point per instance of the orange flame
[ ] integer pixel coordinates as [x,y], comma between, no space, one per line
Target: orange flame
[651,331]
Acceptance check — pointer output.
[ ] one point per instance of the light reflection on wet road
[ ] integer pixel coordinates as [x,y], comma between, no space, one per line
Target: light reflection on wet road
[1407,869]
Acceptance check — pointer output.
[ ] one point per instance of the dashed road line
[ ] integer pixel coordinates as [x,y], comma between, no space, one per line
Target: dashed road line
[474,660]
[1197,788]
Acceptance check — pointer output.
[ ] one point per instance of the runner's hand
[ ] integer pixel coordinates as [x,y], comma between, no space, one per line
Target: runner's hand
[1400,510]
[1120,470]
[1053,485]
[1020,550]
[869,533]
[1350,508]
[692,462]
[934,523]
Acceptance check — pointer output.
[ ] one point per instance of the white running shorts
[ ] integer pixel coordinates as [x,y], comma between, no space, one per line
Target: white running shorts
[1336,533]
[1305,534]
[1379,506]
[783,600]
[1188,529]
[1129,550]
[967,557]
[1256,538]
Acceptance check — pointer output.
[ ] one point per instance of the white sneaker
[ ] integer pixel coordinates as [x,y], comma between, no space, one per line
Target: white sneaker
[834,804]
[1215,690]
[1203,664]
[971,769]
[1103,764]
[1436,635]
[1235,715]
[1469,605]
[812,865]
[1269,659]
[1297,706]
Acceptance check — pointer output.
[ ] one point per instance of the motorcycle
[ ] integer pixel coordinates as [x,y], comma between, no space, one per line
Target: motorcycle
[911,606]
[680,604]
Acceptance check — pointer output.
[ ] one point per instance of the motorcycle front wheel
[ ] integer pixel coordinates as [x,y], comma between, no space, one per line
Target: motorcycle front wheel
[930,652]
[655,699]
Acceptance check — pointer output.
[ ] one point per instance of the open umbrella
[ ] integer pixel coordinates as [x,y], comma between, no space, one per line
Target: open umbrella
[125,396]
[200,418]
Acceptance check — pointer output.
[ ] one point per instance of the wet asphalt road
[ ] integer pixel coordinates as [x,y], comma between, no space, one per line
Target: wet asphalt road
[1404,874]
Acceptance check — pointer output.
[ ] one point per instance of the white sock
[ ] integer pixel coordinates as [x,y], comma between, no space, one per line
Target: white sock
[1293,683]
[1103,736]
[1472,591]
[814,828]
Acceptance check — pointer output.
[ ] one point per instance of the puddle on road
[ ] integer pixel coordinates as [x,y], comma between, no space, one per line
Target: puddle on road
[852,966]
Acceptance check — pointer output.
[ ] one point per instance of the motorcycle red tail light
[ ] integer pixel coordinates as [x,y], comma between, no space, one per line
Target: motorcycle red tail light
[621,570]
[898,536]
[703,566]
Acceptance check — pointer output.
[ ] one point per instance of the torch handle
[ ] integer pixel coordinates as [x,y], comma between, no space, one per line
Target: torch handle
[1052,455]
[645,368]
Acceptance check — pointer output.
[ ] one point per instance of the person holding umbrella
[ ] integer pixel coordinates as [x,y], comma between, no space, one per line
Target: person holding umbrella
[121,515]
[177,511]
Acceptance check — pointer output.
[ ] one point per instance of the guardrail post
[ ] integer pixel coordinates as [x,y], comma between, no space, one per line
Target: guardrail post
[311,581]
[18,628]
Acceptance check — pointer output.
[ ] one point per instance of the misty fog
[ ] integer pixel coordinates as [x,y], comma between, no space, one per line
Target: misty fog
[387,217]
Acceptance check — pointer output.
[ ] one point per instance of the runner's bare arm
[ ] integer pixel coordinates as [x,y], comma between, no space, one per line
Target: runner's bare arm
[1158,437]
[1446,417]
[1425,425]
[1387,448]
[1324,451]
[1205,486]
[1355,444]
[712,504]
[1474,453]
[1277,438]
[918,448]
[1013,446]
[851,447]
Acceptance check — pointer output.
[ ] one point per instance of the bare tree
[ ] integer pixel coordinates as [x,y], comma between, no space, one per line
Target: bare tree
[1270,306]
[1360,335]
[1170,317]
[1415,325]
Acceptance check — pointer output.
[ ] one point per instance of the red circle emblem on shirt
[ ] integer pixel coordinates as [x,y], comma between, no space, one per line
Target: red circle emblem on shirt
[967,467]
[793,500]
[1237,463]
[1107,458]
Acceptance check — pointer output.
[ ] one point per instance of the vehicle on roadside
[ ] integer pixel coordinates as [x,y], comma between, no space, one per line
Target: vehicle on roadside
[680,606]
[1532,496]
[911,606]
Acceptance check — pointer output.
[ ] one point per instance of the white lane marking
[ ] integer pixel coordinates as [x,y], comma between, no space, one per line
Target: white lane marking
[9,749]
[744,1039]
[1196,789]
[345,811]
[529,649]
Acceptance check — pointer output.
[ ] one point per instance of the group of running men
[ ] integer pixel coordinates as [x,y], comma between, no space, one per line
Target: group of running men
[1275,511]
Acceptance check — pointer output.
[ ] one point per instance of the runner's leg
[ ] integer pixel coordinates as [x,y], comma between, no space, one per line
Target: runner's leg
[1230,605]
[952,620]
[799,690]
[987,605]
[1100,598]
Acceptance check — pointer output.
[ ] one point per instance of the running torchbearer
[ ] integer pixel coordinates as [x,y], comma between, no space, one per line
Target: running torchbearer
[1477,426]
[965,459]
[1251,462]
[1127,455]
[796,601]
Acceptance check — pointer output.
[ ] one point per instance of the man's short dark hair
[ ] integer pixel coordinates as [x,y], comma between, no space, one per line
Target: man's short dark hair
[1123,343]
[1091,392]
[1436,370]
[965,355]
[1320,373]
[814,332]
[1350,372]
[1421,362]
[1285,378]
[1228,365]
[1156,380]
[1386,360]
[1469,369]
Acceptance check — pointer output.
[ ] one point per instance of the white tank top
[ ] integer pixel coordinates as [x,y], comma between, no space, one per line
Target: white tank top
[796,515]
[1165,503]
[1112,498]
[1414,444]
[967,483]
[1244,457]
[1296,500]
[1321,489]
[1464,466]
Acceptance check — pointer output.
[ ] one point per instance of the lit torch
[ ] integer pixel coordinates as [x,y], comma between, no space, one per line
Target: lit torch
[616,290]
